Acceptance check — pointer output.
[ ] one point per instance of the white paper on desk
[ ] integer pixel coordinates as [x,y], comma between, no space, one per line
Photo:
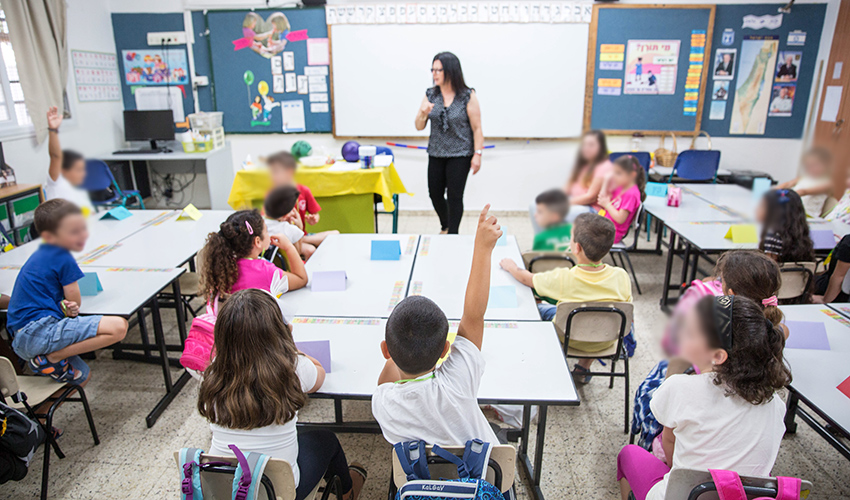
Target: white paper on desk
[387,160]
[291,82]
[319,107]
[317,50]
[293,116]
[831,103]
[315,70]
[344,166]
[154,98]
[302,84]
[319,97]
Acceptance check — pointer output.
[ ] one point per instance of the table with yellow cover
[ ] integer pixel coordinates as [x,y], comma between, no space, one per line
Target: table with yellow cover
[347,197]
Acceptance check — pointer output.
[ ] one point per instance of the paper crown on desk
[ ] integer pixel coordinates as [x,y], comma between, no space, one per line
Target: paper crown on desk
[117,213]
[386,250]
[318,349]
[742,233]
[90,285]
[190,213]
[328,281]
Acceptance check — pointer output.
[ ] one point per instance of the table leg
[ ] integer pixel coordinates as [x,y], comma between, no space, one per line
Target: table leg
[686,259]
[171,389]
[658,237]
[180,307]
[143,332]
[694,267]
[791,413]
[668,270]
[338,410]
[533,471]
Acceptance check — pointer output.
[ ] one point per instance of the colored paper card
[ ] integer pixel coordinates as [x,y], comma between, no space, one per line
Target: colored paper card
[451,338]
[90,285]
[117,213]
[844,387]
[742,233]
[386,250]
[190,213]
[328,281]
[656,189]
[318,349]
[503,239]
[761,185]
[806,335]
[502,297]
[823,239]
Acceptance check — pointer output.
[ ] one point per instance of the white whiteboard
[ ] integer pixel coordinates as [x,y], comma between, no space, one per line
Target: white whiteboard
[530,78]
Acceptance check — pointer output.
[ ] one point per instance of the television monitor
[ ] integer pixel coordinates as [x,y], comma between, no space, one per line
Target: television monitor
[153,125]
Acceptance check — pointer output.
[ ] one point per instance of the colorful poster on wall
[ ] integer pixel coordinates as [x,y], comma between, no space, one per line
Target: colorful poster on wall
[782,101]
[267,36]
[754,88]
[155,67]
[651,66]
[96,75]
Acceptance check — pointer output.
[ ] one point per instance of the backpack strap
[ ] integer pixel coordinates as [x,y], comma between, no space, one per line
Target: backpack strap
[190,485]
[728,483]
[412,457]
[476,456]
[249,472]
[462,469]
[788,488]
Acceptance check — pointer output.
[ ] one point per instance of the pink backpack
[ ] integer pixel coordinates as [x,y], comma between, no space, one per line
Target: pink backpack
[729,486]
[198,350]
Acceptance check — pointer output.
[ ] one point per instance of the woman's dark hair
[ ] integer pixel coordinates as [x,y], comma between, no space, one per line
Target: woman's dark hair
[755,368]
[223,249]
[452,71]
[582,162]
[69,158]
[786,218]
[751,274]
[630,164]
[252,381]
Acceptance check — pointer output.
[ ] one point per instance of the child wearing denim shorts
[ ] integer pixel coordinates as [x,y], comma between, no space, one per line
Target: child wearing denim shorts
[43,317]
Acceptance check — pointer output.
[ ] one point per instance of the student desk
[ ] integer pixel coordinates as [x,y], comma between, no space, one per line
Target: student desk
[817,373]
[731,196]
[373,287]
[127,292]
[519,356]
[441,273]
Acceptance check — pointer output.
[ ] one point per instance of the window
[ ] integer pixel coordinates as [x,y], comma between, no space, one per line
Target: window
[13,110]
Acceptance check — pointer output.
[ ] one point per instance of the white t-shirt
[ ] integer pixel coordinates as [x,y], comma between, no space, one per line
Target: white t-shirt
[813,203]
[442,410]
[61,188]
[714,430]
[291,231]
[276,441]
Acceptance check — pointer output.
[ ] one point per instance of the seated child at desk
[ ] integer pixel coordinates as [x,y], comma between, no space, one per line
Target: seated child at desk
[623,194]
[415,400]
[785,231]
[279,205]
[67,169]
[815,185]
[44,319]
[551,214]
[832,286]
[283,167]
[588,281]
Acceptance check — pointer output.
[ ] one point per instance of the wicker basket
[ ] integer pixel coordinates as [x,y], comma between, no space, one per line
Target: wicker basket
[694,140]
[665,157]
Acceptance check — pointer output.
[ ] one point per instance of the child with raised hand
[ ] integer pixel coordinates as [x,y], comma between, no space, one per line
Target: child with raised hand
[550,215]
[814,185]
[44,309]
[415,400]
[785,231]
[67,169]
[623,193]
[727,417]
[255,386]
[232,259]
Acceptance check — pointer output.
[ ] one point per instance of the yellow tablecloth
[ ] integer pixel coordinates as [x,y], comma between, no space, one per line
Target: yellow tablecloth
[250,186]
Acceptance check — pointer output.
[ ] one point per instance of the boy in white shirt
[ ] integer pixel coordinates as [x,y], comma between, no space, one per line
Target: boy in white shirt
[67,168]
[279,209]
[415,399]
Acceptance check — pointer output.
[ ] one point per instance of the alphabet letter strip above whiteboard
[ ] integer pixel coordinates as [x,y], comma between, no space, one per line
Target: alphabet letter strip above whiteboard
[460,12]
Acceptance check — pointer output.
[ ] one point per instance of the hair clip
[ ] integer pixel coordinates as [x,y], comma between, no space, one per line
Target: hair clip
[250,229]
[770,301]
[723,319]
[783,195]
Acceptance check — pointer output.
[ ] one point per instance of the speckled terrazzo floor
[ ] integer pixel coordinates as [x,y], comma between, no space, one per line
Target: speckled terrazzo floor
[582,442]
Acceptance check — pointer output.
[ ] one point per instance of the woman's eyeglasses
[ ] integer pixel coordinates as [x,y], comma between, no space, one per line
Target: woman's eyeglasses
[436,70]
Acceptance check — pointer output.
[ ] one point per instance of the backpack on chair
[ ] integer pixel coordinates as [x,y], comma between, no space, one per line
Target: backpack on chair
[247,475]
[730,487]
[198,350]
[471,469]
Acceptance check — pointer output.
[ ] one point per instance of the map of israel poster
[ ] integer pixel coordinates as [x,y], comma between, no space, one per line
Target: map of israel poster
[755,84]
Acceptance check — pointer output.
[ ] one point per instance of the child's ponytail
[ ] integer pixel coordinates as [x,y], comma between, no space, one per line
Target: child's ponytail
[223,249]
[752,274]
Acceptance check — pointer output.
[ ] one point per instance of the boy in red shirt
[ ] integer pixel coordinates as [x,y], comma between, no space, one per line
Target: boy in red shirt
[306,211]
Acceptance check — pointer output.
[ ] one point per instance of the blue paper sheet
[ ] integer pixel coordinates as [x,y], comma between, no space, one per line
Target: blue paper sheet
[319,349]
[656,189]
[117,213]
[386,250]
[503,239]
[90,285]
[761,185]
[502,297]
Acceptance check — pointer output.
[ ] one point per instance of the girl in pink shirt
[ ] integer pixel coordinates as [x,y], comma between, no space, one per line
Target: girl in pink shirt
[589,172]
[623,193]
[232,259]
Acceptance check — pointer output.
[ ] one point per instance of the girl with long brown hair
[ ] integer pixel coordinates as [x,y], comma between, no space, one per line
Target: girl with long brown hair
[256,384]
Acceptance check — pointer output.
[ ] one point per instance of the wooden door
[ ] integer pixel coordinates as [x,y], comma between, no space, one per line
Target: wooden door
[832,122]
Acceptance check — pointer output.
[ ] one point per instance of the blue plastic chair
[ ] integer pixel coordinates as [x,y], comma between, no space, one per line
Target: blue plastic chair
[100,178]
[643,157]
[696,165]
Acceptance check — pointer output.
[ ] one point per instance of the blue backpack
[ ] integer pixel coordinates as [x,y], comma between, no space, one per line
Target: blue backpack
[471,469]
[247,475]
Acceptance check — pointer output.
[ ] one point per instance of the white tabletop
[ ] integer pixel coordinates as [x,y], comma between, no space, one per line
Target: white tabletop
[691,208]
[177,154]
[519,356]
[710,236]
[124,290]
[442,270]
[373,287]
[817,373]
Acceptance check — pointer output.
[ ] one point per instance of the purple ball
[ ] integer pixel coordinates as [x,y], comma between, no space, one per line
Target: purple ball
[351,151]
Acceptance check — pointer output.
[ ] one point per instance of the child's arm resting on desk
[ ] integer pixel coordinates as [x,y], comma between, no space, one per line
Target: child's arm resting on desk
[519,274]
[478,289]
[298,275]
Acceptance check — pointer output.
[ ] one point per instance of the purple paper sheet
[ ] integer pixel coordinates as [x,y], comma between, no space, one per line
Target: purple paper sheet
[319,349]
[823,239]
[807,335]
[328,281]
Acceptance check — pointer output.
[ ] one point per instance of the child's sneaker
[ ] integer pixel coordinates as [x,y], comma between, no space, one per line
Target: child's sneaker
[60,372]
[581,375]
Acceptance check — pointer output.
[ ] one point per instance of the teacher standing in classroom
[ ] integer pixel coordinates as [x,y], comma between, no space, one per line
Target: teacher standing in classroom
[456,143]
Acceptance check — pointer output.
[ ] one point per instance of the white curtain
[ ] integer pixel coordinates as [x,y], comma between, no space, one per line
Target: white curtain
[39,35]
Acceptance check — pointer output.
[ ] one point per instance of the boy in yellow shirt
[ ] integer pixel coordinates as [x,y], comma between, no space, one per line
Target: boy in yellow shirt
[588,281]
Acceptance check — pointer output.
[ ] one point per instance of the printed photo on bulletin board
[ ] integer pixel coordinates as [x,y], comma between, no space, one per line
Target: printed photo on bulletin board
[782,102]
[724,64]
[651,66]
[787,65]
[155,67]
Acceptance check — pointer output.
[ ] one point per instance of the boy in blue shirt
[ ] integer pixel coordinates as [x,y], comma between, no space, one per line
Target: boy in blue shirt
[44,310]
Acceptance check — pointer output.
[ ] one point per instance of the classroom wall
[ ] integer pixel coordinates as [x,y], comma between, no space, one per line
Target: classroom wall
[97,127]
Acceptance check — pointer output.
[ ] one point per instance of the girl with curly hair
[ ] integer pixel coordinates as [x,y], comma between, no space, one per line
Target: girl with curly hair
[785,232]
[231,259]
[727,417]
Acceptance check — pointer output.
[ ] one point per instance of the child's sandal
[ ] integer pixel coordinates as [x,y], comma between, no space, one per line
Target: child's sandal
[61,371]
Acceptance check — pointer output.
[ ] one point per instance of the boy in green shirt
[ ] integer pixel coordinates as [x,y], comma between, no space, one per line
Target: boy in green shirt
[552,208]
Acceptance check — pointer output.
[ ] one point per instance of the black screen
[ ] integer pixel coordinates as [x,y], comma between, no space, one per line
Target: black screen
[149,125]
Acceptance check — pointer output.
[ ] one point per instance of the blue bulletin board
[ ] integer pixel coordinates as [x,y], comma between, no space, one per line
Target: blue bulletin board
[794,34]
[257,56]
[645,67]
